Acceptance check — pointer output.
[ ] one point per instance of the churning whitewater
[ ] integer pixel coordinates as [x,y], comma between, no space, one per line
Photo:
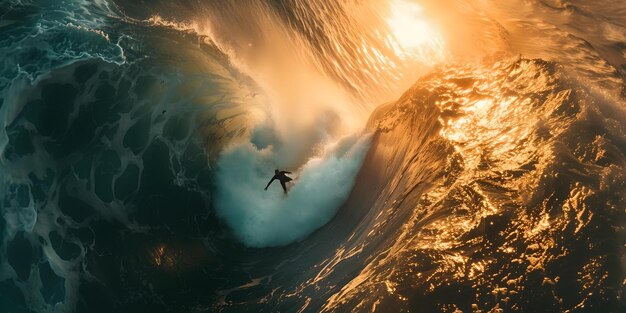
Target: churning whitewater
[447,156]
[262,219]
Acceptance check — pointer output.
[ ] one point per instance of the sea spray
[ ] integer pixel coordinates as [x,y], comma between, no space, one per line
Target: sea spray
[262,218]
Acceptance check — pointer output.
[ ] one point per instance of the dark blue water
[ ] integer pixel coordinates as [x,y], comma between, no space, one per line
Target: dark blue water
[495,184]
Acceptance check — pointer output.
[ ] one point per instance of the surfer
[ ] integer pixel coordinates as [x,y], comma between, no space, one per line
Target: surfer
[280,175]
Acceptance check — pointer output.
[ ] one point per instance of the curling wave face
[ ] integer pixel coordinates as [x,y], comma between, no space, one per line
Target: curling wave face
[505,189]
[136,138]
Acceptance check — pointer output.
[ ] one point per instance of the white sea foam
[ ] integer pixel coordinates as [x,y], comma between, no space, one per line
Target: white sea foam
[269,218]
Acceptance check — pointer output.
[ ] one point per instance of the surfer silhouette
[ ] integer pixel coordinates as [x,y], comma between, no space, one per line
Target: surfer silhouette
[280,175]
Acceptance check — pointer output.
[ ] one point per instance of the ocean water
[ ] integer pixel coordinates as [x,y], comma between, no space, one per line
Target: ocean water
[447,156]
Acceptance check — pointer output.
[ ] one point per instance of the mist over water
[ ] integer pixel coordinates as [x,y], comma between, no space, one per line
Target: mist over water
[270,218]
[447,156]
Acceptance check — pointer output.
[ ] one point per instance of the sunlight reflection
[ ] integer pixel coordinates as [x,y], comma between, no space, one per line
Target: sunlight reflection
[414,36]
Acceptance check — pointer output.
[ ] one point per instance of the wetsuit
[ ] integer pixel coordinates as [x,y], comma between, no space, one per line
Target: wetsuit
[282,178]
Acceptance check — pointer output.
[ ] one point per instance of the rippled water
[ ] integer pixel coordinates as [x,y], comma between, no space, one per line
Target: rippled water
[137,136]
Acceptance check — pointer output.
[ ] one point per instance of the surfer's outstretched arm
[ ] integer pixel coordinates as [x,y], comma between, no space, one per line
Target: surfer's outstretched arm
[268,184]
[285,172]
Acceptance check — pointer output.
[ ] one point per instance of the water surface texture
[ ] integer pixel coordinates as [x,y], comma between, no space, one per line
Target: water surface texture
[447,156]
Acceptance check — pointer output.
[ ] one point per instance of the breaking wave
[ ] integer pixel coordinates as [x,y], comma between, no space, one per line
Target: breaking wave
[136,138]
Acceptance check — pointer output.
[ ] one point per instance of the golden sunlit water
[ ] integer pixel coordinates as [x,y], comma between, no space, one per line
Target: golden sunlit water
[413,35]
[487,220]
[446,156]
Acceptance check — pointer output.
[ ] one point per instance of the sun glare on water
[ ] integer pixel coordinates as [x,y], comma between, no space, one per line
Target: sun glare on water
[413,35]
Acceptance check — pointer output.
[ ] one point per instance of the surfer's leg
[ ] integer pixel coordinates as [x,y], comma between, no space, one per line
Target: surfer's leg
[282,183]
